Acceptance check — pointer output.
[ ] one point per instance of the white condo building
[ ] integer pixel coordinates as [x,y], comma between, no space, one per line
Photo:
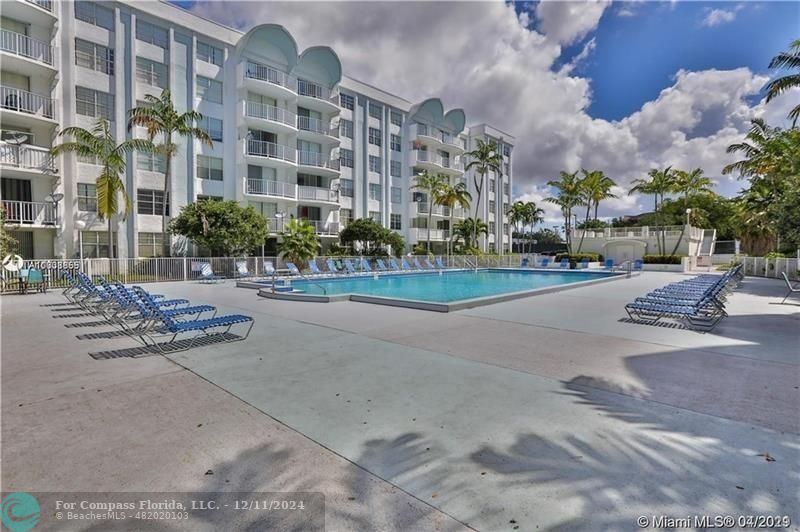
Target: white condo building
[293,136]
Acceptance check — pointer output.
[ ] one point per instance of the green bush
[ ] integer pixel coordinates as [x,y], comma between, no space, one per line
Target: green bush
[662,259]
[774,255]
[579,257]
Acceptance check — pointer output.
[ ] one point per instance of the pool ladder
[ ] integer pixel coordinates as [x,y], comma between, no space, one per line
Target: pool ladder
[275,271]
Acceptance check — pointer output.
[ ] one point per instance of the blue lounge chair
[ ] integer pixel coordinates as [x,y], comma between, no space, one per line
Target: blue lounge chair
[417,265]
[564,263]
[405,265]
[365,265]
[207,274]
[332,266]
[269,268]
[381,265]
[523,263]
[168,326]
[312,265]
[439,263]
[585,263]
[393,264]
[428,264]
[294,270]
[638,265]
[545,262]
[609,264]
[241,270]
[349,266]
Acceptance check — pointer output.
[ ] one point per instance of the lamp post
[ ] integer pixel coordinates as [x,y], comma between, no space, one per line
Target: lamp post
[688,213]
[80,225]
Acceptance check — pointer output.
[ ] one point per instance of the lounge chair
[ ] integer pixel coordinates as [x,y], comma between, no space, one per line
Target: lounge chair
[168,326]
[638,265]
[381,265]
[609,264]
[394,266]
[241,270]
[545,262]
[585,263]
[405,265]
[269,268]
[417,265]
[365,265]
[312,265]
[428,264]
[349,266]
[332,266]
[206,272]
[564,263]
[440,264]
[523,262]
[294,270]
[792,289]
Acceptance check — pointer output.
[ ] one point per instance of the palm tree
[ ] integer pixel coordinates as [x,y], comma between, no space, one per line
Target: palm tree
[789,59]
[688,184]
[99,143]
[432,186]
[518,215]
[160,117]
[452,196]
[468,228]
[659,183]
[595,187]
[568,196]
[299,241]
[758,149]
[484,158]
[533,215]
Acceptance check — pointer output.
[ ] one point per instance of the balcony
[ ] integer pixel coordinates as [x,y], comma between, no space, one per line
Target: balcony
[418,234]
[33,213]
[276,189]
[436,163]
[439,138]
[315,96]
[311,127]
[35,12]
[439,210]
[318,162]
[47,5]
[270,150]
[26,102]
[20,50]
[276,225]
[306,193]
[26,157]
[270,80]
[280,119]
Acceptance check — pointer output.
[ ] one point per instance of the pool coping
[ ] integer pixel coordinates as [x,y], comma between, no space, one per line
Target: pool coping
[443,307]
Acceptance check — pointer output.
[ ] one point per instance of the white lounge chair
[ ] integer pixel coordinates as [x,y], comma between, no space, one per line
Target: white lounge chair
[792,289]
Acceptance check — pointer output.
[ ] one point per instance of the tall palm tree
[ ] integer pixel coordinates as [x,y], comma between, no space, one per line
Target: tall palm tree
[299,241]
[533,215]
[595,187]
[486,157]
[568,196]
[431,185]
[658,183]
[160,117]
[518,215]
[688,184]
[789,59]
[99,143]
[452,196]
[467,228]
[758,149]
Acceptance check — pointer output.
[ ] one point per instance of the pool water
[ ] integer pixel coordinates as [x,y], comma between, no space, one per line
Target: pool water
[447,286]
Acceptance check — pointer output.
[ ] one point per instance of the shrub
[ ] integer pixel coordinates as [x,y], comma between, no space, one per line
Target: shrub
[662,259]
[579,257]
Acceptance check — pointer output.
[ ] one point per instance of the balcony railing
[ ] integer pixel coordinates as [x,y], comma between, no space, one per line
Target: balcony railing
[30,212]
[421,234]
[317,160]
[315,125]
[262,148]
[22,45]
[425,156]
[26,156]
[270,75]
[44,4]
[265,187]
[269,112]
[670,231]
[314,90]
[26,102]
[442,136]
[276,225]
[316,194]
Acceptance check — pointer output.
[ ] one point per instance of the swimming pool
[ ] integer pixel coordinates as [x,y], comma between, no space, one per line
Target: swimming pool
[447,290]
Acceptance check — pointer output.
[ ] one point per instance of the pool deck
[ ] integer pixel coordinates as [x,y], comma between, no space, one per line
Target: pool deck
[550,412]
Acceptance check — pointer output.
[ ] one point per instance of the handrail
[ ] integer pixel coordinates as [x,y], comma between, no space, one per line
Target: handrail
[275,271]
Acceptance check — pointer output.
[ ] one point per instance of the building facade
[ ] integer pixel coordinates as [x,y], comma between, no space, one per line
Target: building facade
[292,136]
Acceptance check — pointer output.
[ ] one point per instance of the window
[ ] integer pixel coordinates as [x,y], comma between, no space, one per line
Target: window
[395,222]
[397,195]
[151,33]
[492,206]
[375,215]
[87,197]
[491,228]
[94,13]
[346,128]
[89,159]
[375,110]
[505,188]
[209,168]
[212,126]
[209,54]
[94,56]
[491,185]
[505,229]
[209,89]
[150,201]
[346,157]
[507,150]
[346,101]
[94,103]
[345,215]
[394,169]
[374,191]
[346,187]
[396,118]
[151,162]
[95,244]
[151,244]
[394,142]
[151,72]
[375,164]
[505,168]
[375,136]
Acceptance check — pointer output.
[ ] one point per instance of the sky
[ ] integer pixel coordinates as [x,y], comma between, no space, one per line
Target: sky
[620,87]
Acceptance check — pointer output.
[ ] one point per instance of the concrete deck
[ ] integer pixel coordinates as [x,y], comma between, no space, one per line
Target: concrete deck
[548,411]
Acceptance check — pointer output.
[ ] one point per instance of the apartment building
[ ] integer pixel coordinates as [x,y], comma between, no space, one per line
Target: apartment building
[292,136]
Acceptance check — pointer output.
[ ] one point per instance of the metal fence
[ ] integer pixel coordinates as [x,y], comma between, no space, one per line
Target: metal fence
[772,267]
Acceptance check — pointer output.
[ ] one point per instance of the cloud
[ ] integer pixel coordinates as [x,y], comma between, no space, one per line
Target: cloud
[587,50]
[506,78]
[715,17]
[567,22]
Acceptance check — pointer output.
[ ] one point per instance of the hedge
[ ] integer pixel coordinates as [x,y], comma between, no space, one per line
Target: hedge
[579,257]
[662,259]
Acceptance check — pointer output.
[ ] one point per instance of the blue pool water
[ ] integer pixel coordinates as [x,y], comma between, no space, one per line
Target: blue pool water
[447,287]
